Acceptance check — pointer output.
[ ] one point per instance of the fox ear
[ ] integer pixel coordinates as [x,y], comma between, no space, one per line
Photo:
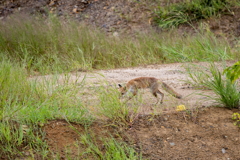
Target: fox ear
[119,85]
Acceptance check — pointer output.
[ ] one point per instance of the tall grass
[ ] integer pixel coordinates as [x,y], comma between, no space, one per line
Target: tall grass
[226,92]
[49,45]
[17,139]
[111,107]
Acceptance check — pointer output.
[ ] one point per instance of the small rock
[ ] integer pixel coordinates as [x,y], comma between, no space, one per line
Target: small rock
[75,10]
[165,119]
[52,3]
[84,1]
[225,136]
[115,34]
[172,144]
[223,150]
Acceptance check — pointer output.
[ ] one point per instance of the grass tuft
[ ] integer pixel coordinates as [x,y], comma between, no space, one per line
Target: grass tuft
[110,150]
[111,107]
[226,93]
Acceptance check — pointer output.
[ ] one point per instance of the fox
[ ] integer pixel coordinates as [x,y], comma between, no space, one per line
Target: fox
[152,83]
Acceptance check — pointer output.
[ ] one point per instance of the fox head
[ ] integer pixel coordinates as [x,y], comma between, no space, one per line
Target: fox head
[122,89]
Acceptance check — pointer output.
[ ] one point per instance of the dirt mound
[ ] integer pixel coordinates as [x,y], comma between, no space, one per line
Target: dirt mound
[192,134]
[62,136]
[111,16]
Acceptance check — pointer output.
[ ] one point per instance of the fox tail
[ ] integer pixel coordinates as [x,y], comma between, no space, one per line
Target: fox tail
[171,91]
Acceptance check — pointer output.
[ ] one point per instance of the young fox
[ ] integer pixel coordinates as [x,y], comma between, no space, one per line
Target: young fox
[147,82]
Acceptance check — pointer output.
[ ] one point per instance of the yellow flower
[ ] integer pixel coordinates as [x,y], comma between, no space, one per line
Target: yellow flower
[181,108]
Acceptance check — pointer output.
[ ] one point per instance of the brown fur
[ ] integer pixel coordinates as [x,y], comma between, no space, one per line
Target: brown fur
[147,82]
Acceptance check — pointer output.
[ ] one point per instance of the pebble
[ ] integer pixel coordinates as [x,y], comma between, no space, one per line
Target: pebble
[172,143]
[115,34]
[223,150]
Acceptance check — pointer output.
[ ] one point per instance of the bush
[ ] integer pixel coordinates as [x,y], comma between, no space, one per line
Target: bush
[233,72]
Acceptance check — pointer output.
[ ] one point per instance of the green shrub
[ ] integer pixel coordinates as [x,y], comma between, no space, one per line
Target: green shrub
[233,72]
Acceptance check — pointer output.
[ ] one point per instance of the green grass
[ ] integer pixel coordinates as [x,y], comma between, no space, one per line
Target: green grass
[113,150]
[226,92]
[110,105]
[190,11]
[17,139]
[27,104]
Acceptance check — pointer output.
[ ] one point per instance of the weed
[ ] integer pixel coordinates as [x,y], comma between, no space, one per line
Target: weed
[227,92]
[110,149]
[236,118]
[116,110]
[111,106]
[17,139]
[233,72]
[116,150]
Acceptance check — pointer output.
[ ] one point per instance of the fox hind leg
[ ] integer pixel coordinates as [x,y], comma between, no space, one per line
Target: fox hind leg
[155,95]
